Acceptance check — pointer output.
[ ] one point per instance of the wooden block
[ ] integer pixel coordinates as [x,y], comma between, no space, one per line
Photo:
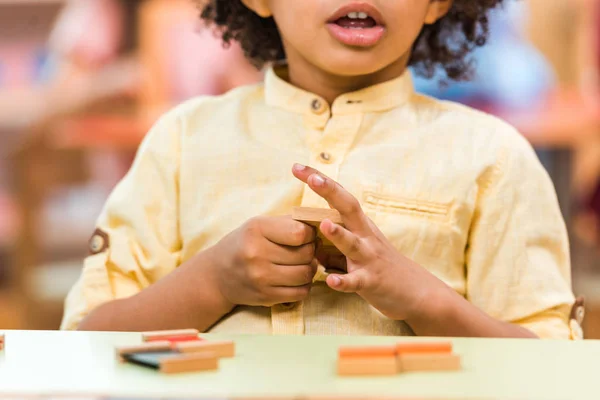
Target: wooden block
[176,339]
[1,341]
[143,348]
[205,361]
[221,348]
[367,351]
[171,362]
[157,335]
[350,366]
[429,362]
[424,347]
[314,216]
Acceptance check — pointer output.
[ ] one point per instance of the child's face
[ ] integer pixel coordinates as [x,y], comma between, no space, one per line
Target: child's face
[328,34]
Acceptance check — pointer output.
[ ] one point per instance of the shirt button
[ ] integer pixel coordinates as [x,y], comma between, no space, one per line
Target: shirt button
[326,157]
[318,106]
[580,315]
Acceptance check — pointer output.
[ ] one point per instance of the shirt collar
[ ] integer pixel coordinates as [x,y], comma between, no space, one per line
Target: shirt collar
[381,97]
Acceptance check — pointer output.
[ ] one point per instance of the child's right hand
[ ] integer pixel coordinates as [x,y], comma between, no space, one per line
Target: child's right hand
[267,261]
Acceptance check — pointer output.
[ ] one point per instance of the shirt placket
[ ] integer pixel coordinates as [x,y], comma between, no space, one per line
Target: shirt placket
[329,139]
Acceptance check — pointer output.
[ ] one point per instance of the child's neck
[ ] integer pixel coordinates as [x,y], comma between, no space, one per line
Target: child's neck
[329,86]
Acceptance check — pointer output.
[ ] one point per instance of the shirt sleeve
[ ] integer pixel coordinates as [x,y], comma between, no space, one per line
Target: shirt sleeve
[518,262]
[137,239]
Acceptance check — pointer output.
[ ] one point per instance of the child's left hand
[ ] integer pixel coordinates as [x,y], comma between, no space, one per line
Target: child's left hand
[398,287]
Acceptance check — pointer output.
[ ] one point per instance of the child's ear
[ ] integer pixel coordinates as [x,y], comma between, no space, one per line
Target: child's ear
[437,9]
[260,7]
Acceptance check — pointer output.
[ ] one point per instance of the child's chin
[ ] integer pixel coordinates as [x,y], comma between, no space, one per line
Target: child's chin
[358,65]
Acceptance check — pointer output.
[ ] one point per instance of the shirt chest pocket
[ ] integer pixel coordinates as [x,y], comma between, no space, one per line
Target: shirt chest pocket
[429,233]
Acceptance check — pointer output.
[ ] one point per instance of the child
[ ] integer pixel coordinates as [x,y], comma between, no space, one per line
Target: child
[451,225]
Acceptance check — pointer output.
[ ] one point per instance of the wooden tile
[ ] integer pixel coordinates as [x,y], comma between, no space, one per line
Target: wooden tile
[367,366]
[367,351]
[314,216]
[157,335]
[189,363]
[146,347]
[173,362]
[176,339]
[429,362]
[220,348]
[424,347]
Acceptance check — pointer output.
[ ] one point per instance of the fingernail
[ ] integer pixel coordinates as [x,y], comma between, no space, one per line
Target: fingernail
[336,281]
[318,180]
[299,167]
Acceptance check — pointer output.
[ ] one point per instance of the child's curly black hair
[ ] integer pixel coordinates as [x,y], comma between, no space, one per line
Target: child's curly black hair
[445,44]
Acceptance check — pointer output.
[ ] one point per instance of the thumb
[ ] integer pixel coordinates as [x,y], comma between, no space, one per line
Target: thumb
[350,283]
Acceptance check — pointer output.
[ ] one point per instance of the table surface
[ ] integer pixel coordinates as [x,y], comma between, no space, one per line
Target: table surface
[40,362]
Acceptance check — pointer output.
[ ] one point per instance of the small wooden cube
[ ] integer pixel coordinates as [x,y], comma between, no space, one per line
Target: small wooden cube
[353,366]
[429,362]
[166,335]
[220,348]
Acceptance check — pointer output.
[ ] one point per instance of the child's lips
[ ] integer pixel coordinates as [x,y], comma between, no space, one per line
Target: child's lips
[357,24]
[356,37]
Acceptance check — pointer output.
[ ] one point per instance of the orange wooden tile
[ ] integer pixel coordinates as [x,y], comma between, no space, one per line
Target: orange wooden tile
[424,347]
[429,362]
[175,339]
[158,335]
[189,363]
[220,348]
[366,351]
[353,366]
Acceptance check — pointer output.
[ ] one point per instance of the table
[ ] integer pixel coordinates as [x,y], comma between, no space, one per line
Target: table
[40,362]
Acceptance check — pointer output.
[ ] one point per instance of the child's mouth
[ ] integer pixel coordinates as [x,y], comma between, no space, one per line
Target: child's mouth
[357,21]
[357,26]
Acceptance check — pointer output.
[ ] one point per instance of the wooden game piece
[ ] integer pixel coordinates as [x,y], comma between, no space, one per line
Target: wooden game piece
[165,335]
[189,363]
[428,362]
[367,351]
[220,348]
[176,339]
[314,216]
[349,366]
[143,348]
[423,347]
[171,362]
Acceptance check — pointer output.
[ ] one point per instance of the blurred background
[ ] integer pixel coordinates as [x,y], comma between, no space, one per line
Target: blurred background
[81,82]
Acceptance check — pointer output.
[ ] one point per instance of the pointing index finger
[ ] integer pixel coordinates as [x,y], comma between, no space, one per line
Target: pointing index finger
[338,198]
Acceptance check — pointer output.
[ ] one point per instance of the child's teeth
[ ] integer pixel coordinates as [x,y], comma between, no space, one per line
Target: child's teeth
[363,15]
[353,15]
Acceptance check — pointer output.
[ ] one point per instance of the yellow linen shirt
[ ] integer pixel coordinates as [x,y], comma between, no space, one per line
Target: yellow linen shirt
[456,190]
